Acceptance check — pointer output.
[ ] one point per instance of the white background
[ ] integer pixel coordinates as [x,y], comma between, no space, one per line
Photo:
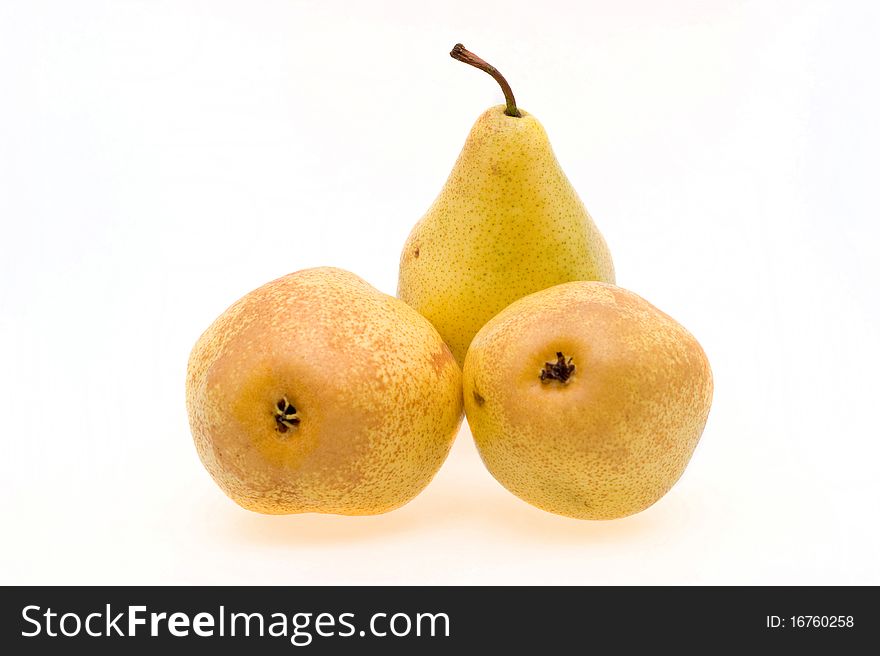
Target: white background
[160,159]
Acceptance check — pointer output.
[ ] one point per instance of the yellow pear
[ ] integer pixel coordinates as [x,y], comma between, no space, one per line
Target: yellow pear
[318,393]
[506,224]
[585,400]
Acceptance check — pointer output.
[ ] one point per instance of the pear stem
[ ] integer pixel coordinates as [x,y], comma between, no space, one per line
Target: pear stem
[462,54]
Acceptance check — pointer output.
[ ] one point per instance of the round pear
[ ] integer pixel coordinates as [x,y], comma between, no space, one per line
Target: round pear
[318,393]
[585,400]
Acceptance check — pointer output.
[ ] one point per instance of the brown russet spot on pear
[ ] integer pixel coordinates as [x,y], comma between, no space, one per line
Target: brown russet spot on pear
[318,393]
[598,399]
[507,223]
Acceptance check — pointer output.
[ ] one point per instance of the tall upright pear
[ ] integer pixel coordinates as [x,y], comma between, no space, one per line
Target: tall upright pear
[507,223]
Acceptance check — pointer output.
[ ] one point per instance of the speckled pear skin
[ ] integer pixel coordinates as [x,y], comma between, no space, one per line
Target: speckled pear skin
[506,224]
[613,438]
[375,396]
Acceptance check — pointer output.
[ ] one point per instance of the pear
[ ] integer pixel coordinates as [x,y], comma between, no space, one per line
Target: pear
[585,400]
[318,393]
[506,224]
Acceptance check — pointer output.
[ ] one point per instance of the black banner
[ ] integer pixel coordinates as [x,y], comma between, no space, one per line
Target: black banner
[407,620]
